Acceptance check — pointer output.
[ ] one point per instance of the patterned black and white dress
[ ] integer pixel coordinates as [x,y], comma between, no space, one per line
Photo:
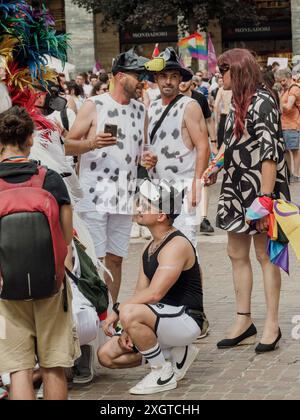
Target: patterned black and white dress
[262,140]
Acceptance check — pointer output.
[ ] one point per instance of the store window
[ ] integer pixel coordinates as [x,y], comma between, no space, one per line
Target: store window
[272,37]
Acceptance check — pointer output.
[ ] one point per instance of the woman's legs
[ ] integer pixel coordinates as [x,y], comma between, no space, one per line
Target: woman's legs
[290,162]
[272,283]
[239,253]
[296,157]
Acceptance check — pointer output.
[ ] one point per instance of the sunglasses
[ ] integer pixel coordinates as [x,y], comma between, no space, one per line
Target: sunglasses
[224,68]
[141,77]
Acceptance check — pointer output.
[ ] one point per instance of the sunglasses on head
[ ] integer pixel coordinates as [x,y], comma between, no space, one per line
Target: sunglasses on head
[224,68]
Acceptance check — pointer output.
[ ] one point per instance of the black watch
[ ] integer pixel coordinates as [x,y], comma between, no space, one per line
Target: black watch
[115,308]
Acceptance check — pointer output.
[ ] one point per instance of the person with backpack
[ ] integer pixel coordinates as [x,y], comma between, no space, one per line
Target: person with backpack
[36,323]
[290,105]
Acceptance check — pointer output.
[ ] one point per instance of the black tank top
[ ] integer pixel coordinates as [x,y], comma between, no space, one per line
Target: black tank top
[187,291]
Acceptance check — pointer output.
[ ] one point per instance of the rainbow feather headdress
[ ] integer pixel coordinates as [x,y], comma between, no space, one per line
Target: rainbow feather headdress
[27,37]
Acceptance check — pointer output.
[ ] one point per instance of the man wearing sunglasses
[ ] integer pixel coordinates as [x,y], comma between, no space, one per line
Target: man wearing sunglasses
[115,123]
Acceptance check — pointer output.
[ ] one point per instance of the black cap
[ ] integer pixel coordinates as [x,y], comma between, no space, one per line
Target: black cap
[129,62]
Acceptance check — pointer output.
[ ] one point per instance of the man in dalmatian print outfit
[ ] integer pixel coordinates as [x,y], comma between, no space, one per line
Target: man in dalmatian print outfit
[108,171]
[181,142]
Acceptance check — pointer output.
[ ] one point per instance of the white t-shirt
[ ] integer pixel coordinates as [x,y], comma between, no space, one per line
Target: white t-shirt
[87,90]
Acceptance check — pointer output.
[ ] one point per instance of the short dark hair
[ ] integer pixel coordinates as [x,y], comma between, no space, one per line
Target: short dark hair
[275,64]
[103,77]
[269,79]
[97,87]
[15,127]
[84,76]
[78,90]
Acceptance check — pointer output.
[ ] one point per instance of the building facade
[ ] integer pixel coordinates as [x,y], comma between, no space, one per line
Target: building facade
[278,35]
[271,38]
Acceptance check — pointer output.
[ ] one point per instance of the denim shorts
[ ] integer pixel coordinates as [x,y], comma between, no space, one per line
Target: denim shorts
[291,139]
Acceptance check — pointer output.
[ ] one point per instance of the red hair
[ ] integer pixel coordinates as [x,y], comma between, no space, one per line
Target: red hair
[246,78]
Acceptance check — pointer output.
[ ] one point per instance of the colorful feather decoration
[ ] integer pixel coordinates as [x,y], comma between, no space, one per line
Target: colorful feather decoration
[27,37]
[7,47]
[35,34]
[18,78]
[27,99]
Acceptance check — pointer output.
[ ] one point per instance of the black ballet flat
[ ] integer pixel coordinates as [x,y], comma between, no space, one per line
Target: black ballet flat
[246,339]
[266,348]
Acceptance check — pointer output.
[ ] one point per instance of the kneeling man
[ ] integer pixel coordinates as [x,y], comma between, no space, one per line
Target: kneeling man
[165,315]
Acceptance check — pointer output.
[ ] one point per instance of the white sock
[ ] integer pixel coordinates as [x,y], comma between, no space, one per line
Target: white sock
[154,356]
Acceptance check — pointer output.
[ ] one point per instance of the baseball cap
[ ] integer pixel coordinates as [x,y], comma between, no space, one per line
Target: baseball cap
[163,196]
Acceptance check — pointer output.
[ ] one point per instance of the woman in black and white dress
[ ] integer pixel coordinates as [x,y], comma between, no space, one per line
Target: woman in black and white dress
[254,166]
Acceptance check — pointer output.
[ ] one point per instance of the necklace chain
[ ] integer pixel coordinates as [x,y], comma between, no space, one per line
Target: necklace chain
[153,249]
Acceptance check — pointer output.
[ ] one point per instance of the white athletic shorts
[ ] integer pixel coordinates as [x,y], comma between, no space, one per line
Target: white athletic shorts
[110,232]
[174,328]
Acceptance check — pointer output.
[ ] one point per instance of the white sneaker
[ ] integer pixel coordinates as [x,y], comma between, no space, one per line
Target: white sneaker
[183,357]
[135,231]
[159,380]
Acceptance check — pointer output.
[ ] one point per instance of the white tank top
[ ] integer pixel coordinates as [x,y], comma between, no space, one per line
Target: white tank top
[175,161]
[108,175]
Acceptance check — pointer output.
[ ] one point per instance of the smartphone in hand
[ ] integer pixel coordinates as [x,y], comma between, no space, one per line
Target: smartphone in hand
[111,129]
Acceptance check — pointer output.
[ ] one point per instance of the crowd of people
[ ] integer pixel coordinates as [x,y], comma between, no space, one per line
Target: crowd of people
[140,142]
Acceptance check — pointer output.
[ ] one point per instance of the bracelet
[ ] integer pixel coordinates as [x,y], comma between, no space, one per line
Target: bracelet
[115,308]
[213,141]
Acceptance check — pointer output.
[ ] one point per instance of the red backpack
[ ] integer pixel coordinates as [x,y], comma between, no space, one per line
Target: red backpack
[32,245]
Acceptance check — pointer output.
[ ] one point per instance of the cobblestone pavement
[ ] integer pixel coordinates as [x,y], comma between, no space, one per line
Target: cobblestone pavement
[236,374]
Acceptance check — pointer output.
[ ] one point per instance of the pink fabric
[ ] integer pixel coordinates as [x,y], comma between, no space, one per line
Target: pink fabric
[212,57]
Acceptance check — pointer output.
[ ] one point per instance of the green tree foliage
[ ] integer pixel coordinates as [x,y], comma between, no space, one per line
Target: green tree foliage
[154,13]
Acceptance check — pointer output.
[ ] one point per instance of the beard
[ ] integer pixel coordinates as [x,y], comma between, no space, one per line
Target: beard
[171,91]
[131,92]
[187,88]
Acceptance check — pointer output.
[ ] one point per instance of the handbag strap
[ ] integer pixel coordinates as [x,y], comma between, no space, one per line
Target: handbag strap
[72,276]
[162,118]
[64,119]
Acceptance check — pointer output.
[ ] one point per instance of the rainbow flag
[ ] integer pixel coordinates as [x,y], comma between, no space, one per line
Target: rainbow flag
[195,45]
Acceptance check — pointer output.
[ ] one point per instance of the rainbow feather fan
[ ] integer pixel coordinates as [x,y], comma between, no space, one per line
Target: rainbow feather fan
[18,78]
[27,37]
[26,98]
[36,35]
[7,47]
